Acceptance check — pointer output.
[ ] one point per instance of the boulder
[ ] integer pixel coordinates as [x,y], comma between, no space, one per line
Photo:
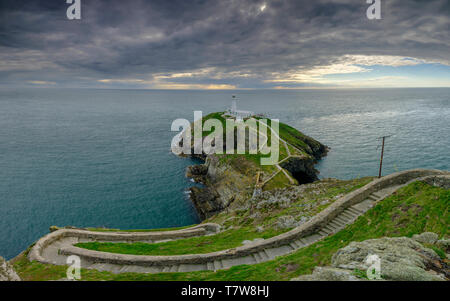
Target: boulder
[426,237]
[7,272]
[328,274]
[286,222]
[399,258]
[444,244]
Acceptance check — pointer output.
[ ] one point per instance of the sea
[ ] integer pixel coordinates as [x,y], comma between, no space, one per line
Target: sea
[101,158]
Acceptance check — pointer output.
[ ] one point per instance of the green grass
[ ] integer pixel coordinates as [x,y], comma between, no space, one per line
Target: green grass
[195,245]
[417,208]
[279,181]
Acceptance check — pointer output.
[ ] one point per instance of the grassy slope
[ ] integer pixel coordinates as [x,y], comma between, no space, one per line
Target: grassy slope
[414,209]
[286,132]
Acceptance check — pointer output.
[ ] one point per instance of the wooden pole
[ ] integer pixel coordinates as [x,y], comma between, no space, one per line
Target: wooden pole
[381,159]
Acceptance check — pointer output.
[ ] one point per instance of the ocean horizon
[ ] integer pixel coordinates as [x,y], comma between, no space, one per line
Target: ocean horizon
[101,158]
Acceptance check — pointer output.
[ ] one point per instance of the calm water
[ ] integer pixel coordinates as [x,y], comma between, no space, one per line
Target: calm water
[102,158]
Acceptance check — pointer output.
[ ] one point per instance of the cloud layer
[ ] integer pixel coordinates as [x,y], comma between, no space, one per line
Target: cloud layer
[215,43]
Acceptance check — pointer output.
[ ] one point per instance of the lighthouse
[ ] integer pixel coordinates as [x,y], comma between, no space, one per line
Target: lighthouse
[238,114]
[233,104]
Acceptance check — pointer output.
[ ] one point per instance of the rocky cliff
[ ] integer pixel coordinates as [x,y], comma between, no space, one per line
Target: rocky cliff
[7,272]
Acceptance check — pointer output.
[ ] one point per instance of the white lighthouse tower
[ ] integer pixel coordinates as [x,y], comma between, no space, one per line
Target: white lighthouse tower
[233,105]
[238,114]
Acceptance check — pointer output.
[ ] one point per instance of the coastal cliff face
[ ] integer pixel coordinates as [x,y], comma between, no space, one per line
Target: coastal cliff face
[7,272]
[229,181]
[223,185]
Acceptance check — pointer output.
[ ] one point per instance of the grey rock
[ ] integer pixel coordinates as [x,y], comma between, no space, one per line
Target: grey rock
[401,258]
[328,274]
[444,244]
[259,229]
[256,215]
[324,202]
[303,220]
[426,237]
[285,222]
[7,272]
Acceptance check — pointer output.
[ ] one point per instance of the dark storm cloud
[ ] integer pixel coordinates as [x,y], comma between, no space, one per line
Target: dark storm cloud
[138,39]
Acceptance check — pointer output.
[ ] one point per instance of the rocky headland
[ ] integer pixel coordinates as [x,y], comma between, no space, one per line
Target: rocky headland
[231,180]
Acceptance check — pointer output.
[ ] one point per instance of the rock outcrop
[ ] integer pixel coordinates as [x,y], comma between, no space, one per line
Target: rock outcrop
[400,258]
[302,169]
[7,272]
[426,237]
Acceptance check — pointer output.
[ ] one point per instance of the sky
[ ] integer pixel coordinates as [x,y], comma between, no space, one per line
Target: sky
[225,44]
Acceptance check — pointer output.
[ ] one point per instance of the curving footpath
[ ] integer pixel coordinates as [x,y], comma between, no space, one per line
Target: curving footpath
[55,247]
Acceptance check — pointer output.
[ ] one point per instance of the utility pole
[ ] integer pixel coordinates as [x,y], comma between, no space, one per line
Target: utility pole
[382,153]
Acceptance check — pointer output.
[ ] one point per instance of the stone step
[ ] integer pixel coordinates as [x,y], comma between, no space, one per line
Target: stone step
[218,265]
[336,225]
[278,251]
[229,262]
[311,239]
[341,219]
[191,267]
[257,257]
[332,227]
[354,211]
[372,197]
[210,266]
[325,230]
[293,246]
[377,195]
[174,268]
[365,205]
[348,215]
[345,217]
[166,269]
[323,233]
[264,255]
[315,237]
[328,228]
[299,243]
